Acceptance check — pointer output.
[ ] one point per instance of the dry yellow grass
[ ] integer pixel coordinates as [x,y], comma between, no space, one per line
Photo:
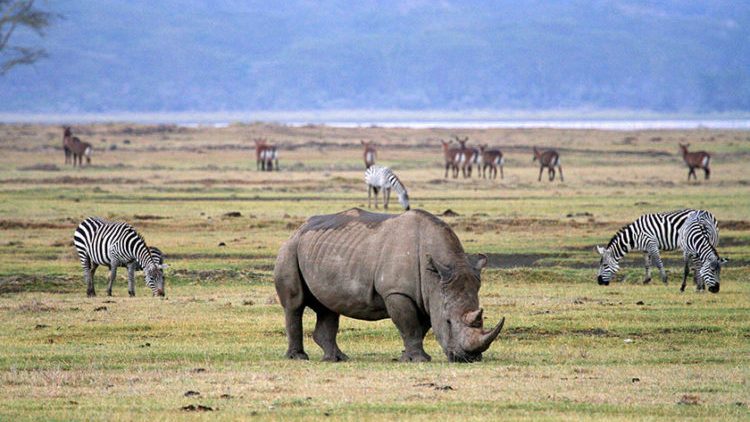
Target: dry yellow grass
[563,354]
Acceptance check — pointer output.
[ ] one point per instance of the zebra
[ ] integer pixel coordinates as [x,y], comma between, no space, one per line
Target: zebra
[102,242]
[650,233]
[700,252]
[383,178]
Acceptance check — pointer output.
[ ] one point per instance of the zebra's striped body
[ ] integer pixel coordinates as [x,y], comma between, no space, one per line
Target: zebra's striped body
[383,179]
[650,233]
[697,242]
[114,244]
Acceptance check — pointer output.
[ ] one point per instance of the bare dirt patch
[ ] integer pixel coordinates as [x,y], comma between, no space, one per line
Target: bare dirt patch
[40,167]
[21,224]
[35,283]
[738,225]
[70,180]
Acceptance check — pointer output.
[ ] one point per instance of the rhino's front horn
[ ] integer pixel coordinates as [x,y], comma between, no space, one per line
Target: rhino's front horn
[481,340]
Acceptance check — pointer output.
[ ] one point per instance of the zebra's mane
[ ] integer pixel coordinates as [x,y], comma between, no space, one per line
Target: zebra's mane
[400,185]
[140,237]
[704,232]
[618,235]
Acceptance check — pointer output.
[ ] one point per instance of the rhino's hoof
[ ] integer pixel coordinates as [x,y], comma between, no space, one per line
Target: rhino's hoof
[415,357]
[132,294]
[297,355]
[337,357]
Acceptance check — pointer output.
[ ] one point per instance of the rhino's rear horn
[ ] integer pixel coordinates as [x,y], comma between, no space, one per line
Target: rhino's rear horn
[474,318]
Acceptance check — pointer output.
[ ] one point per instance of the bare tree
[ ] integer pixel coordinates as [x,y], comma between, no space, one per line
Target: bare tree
[14,15]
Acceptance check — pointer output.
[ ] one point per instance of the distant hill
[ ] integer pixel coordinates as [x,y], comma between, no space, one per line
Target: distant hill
[190,55]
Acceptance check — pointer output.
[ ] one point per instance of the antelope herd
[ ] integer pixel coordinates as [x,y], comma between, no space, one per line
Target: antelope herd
[459,158]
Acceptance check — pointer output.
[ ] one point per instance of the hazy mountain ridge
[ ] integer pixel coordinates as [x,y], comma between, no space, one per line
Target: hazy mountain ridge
[190,55]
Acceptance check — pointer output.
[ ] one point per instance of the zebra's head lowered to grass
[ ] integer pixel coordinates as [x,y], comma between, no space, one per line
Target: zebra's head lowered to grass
[403,198]
[709,273]
[608,266]
[155,278]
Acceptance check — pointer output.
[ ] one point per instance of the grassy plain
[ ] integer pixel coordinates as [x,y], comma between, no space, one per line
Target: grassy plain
[571,349]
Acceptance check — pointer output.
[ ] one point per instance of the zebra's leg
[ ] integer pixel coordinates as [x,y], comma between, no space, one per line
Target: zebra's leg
[386,197]
[369,196]
[131,279]
[324,335]
[551,174]
[541,169]
[112,275]
[561,175]
[88,274]
[502,176]
[700,286]
[446,170]
[685,274]
[647,263]
[656,260]
[706,173]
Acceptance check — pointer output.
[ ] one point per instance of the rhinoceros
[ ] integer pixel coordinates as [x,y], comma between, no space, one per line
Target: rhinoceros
[409,267]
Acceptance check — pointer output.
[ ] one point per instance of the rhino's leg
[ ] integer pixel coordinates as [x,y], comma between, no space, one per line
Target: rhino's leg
[325,335]
[404,314]
[294,333]
[291,290]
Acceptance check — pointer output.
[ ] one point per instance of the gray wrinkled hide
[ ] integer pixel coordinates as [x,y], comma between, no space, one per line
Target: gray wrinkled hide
[409,267]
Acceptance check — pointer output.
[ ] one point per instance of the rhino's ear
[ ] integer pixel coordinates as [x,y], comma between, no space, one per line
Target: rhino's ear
[477,262]
[445,272]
